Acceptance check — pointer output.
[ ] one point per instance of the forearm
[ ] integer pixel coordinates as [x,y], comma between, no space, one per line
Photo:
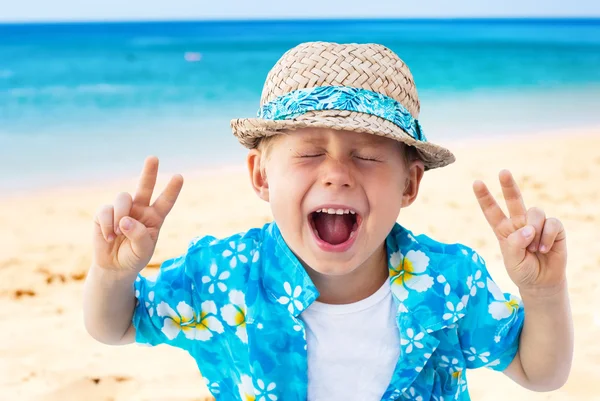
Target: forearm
[108,305]
[546,342]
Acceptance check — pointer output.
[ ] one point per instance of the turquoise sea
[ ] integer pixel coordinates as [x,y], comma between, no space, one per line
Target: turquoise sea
[88,101]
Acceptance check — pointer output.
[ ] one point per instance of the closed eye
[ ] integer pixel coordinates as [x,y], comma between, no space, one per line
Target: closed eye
[371,159]
[312,155]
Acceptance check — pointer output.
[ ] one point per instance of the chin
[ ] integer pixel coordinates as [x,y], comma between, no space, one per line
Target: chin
[333,268]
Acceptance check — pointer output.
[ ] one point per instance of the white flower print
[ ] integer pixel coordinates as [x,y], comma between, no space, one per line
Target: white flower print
[472,355]
[291,299]
[150,304]
[412,340]
[212,387]
[264,391]
[411,394]
[409,273]
[454,311]
[234,314]
[449,363]
[500,308]
[462,383]
[298,327]
[493,363]
[476,258]
[459,378]
[184,319]
[442,279]
[255,255]
[246,389]
[213,279]
[465,300]
[235,254]
[474,282]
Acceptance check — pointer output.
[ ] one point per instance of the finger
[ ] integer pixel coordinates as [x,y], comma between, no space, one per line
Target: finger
[552,233]
[165,202]
[122,208]
[141,241]
[536,218]
[512,196]
[145,187]
[514,248]
[492,212]
[105,220]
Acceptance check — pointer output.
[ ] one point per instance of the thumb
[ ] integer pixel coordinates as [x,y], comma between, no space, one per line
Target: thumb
[516,243]
[138,235]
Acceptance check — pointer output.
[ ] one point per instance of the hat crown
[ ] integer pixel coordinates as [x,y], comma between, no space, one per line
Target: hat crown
[367,66]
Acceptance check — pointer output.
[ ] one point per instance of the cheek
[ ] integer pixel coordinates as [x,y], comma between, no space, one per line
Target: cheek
[385,192]
[287,188]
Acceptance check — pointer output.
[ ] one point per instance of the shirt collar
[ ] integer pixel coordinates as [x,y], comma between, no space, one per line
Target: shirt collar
[283,276]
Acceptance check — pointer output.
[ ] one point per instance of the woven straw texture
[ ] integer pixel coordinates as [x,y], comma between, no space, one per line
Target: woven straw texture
[367,66]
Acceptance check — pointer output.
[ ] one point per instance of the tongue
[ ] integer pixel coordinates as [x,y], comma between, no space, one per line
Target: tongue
[334,228]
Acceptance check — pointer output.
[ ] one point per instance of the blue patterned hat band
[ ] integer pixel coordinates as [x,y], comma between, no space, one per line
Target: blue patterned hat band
[359,87]
[301,101]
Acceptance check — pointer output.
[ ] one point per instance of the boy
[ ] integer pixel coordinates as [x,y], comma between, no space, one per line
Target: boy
[334,300]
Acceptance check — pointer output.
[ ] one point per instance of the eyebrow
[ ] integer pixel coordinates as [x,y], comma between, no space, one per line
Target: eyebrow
[374,141]
[363,142]
[313,139]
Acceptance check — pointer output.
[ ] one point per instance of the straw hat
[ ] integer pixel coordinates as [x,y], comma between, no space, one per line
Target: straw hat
[354,87]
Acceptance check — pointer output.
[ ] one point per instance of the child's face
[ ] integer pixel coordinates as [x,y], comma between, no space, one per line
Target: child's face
[363,176]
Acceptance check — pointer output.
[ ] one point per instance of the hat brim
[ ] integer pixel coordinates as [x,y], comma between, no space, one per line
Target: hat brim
[249,131]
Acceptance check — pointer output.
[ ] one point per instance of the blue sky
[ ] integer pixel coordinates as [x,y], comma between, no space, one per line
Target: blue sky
[59,10]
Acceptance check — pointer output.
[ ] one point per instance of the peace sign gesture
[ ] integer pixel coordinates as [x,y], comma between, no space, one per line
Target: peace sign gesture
[533,247]
[126,232]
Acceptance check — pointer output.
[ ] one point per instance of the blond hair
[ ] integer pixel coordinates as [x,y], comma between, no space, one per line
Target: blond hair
[264,146]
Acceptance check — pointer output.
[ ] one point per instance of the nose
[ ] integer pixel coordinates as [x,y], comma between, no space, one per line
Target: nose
[336,174]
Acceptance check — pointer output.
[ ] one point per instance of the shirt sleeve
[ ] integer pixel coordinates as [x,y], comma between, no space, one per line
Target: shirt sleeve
[165,306]
[489,333]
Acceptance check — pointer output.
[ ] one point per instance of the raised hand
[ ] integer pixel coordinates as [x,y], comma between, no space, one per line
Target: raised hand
[533,247]
[126,232]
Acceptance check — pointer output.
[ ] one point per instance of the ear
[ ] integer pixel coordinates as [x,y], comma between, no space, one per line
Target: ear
[258,176]
[416,170]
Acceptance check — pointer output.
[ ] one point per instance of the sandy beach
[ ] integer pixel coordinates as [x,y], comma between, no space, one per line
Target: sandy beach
[45,251]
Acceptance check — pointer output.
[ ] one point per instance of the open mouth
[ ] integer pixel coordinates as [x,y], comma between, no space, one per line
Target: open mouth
[335,227]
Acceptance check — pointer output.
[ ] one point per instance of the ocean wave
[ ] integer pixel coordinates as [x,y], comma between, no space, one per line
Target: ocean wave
[56,90]
[147,41]
[105,88]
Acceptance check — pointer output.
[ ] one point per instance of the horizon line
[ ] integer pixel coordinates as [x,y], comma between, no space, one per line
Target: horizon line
[298,19]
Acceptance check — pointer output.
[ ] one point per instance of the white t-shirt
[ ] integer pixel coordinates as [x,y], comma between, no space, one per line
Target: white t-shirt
[353,348]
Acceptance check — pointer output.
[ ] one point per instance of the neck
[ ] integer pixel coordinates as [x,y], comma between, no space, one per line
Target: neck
[354,286]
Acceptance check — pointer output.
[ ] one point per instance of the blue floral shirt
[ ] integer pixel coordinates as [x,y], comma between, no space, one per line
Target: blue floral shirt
[234,305]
